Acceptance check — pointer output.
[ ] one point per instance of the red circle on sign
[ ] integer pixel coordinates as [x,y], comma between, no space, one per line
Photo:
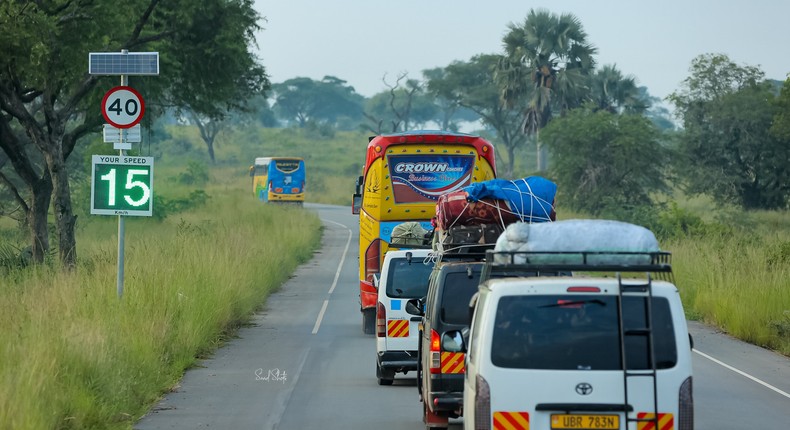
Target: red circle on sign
[123,107]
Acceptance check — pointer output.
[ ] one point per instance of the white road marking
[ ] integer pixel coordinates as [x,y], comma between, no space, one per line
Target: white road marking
[742,373]
[342,259]
[337,276]
[283,400]
[320,316]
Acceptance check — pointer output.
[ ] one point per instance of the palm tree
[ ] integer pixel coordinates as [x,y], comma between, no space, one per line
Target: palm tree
[615,93]
[545,67]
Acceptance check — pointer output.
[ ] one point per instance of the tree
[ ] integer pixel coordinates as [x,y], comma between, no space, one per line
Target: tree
[615,93]
[46,91]
[727,148]
[656,112]
[403,106]
[325,101]
[547,60]
[605,161]
[209,129]
[471,85]
[781,125]
[449,111]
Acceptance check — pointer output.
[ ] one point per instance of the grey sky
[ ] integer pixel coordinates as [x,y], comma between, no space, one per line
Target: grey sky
[361,41]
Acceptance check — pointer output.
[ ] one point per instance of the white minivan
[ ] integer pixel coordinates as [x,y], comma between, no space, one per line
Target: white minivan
[603,350]
[404,276]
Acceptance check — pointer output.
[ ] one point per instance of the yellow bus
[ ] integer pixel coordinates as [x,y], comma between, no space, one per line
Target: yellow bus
[403,176]
[278,179]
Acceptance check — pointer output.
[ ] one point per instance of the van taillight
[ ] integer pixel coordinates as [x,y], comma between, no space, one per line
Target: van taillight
[482,404]
[686,406]
[381,320]
[436,353]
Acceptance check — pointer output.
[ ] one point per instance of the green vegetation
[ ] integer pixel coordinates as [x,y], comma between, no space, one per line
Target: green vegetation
[75,356]
[738,282]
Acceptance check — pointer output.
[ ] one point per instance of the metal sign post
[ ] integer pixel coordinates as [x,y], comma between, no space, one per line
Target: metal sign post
[128,107]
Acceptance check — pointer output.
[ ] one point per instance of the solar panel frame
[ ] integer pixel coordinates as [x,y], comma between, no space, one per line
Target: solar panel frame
[117,63]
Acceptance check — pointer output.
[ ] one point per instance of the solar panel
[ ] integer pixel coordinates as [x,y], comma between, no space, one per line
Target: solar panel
[117,63]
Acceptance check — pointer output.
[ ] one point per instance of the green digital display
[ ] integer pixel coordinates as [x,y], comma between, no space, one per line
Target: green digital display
[122,185]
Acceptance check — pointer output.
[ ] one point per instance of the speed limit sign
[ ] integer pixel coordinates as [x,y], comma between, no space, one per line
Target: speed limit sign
[123,107]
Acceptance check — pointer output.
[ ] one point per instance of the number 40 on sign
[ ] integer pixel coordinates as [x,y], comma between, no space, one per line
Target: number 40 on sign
[122,185]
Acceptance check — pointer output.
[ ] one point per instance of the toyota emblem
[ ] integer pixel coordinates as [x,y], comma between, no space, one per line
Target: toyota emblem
[584,388]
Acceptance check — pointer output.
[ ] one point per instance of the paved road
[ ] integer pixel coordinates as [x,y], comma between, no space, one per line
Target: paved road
[305,364]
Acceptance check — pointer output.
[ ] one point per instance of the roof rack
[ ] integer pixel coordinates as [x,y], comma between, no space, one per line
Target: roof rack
[465,256]
[578,261]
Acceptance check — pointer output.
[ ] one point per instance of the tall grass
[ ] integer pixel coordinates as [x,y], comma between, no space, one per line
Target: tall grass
[75,356]
[739,283]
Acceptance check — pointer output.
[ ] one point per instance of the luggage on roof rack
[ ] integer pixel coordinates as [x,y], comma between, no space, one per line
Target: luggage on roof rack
[497,201]
[554,240]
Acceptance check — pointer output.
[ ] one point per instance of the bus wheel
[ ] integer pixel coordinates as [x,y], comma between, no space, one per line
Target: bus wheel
[368,321]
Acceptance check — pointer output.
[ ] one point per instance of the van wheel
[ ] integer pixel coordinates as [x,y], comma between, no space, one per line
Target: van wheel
[385,377]
[368,321]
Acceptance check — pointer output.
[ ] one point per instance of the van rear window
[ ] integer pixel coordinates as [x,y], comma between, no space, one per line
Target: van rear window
[579,332]
[456,294]
[408,280]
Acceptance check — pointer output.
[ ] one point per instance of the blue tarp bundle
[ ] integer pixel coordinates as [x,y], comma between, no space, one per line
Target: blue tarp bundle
[531,198]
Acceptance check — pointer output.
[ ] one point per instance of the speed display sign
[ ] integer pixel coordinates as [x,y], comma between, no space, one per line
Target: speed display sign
[122,185]
[123,107]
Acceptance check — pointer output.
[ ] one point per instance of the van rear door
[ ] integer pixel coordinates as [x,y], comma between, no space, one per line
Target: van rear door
[568,344]
[407,278]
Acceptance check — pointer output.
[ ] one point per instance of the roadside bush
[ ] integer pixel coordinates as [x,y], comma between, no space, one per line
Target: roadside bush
[164,207]
[196,174]
[779,255]
[666,221]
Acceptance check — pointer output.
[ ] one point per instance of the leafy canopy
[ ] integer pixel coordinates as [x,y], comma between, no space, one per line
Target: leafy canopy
[727,149]
[603,160]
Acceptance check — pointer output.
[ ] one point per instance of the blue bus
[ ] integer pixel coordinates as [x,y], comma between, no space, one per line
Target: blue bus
[278,179]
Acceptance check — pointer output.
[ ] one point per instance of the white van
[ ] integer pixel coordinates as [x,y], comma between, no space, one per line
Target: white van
[404,276]
[577,352]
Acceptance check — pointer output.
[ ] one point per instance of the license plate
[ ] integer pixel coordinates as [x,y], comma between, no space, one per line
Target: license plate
[585,422]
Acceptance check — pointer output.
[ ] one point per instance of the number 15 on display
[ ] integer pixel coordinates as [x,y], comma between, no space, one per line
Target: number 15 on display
[122,185]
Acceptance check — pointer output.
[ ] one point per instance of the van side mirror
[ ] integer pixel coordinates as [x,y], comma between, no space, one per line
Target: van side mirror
[453,341]
[414,307]
[356,203]
[691,341]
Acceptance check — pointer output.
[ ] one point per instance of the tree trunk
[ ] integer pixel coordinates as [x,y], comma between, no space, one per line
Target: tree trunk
[511,160]
[36,206]
[37,217]
[210,144]
[542,154]
[65,220]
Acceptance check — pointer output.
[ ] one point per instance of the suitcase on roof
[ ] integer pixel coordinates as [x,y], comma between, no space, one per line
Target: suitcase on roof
[454,209]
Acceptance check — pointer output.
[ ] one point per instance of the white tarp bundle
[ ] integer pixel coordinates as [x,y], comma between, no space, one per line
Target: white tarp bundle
[578,236]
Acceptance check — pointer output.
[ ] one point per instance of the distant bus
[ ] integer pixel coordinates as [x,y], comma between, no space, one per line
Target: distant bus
[278,179]
[403,176]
